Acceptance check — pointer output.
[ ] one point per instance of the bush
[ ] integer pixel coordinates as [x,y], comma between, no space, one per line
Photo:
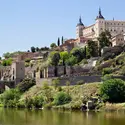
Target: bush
[10,97]
[28,102]
[106,71]
[107,77]
[123,70]
[81,82]
[55,83]
[113,91]
[38,102]
[20,104]
[26,84]
[62,98]
[27,60]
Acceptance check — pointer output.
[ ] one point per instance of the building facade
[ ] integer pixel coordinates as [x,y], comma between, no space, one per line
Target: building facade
[115,27]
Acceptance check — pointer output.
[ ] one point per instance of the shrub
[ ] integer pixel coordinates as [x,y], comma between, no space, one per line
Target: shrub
[20,104]
[107,77]
[10,97]
[38,102]
[26,84]
[80,82]
[59,88]
[123,70]
[113,91]
[106,71]
[55,83]
[28,102]
[62,98]
[27,60]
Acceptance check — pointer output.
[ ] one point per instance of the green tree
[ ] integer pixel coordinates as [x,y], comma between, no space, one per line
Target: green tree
[92,48]
[58,42]
[71,61]
[79,53]
[33,49]
[53,45]
[6,55]
[7,62]
[64,56]
[54,58]
[113,90]
[62,40]
[37,49]
[104,40]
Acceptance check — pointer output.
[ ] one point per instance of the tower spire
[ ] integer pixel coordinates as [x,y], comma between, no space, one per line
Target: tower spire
[100,14]
[80,22]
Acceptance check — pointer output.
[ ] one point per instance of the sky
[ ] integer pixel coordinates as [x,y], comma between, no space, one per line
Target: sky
[26,23]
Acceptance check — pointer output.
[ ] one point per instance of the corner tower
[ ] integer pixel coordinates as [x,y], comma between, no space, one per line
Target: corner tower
[79,28]
[100,23]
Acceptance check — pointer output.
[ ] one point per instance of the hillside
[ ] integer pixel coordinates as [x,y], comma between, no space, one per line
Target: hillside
[78,93]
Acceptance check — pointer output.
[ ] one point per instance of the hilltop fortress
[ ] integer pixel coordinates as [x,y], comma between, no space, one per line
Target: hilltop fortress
[85,33]
[115,27]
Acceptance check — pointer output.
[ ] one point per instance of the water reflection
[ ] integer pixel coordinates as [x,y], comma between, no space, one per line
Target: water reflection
[45,117]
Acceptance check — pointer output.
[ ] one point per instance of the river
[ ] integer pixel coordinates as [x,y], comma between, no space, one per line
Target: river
[48,117]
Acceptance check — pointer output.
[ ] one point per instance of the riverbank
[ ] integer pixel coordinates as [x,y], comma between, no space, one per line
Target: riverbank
[78,93]
[78,96]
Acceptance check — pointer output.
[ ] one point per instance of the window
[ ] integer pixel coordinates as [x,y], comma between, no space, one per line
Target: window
[13,77]
[111,29]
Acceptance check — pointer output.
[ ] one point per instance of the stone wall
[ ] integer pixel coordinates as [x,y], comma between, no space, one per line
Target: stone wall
[60,70]
[50,71]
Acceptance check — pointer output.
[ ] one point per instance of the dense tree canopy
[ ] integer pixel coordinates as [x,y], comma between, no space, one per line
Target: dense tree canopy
[113,90]
[53,45]
[79,53]
[54,58]
[92,49]
[33,49]
[104,39]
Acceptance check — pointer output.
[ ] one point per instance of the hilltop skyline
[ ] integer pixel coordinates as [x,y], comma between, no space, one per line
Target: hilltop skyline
[39,23]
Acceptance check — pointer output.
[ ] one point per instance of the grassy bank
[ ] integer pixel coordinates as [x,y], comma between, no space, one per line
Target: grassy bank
[78,93]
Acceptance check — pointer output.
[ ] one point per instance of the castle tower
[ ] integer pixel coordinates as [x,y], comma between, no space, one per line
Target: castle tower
[17,71]
[100,23]
[79,28]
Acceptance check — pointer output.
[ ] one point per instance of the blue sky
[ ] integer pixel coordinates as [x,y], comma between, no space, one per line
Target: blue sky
[26,23]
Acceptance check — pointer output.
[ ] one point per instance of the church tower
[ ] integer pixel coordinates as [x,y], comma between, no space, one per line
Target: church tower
[79,28]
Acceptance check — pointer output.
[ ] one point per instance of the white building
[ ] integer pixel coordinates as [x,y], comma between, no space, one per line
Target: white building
[115,27]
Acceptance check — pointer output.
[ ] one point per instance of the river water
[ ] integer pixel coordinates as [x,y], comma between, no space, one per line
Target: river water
[47,117]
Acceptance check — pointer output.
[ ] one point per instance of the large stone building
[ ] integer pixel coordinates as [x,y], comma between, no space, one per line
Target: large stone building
[115,27]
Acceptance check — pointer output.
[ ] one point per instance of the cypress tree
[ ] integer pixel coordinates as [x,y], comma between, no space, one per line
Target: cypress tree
[58,42]
[62,40]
